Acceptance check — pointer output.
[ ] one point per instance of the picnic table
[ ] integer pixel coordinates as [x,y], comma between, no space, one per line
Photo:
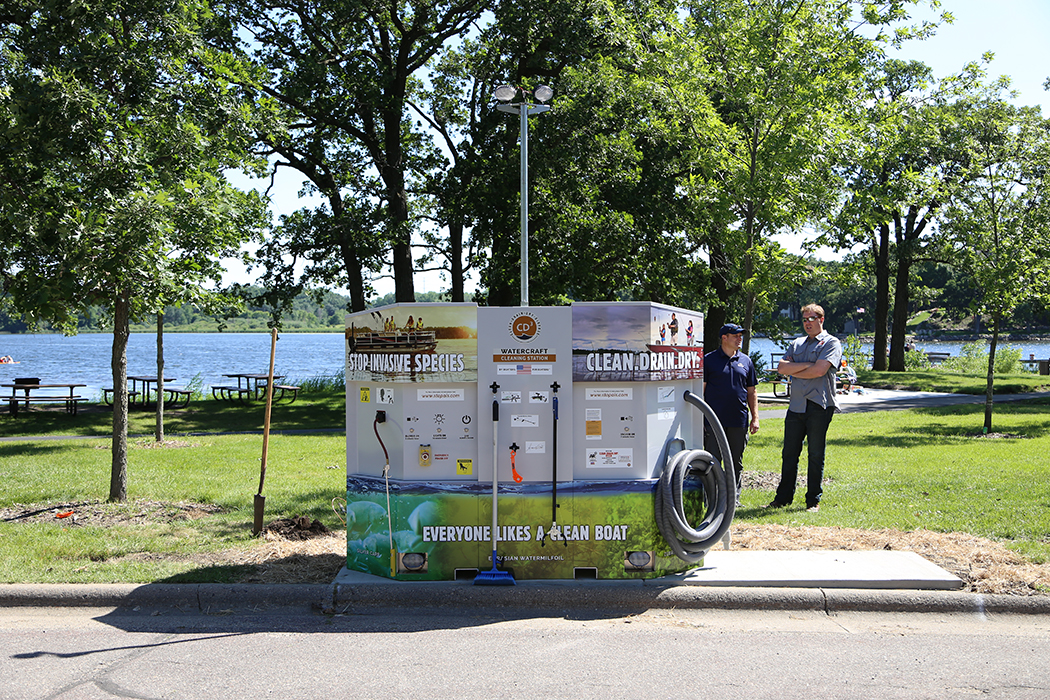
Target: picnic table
[142,396]
[71,400]
[251,386]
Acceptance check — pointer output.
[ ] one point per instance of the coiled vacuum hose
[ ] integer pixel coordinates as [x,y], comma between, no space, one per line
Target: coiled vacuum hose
[719,494]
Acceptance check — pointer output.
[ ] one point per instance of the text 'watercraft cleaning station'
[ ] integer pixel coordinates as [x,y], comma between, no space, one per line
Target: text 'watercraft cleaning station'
[511,443]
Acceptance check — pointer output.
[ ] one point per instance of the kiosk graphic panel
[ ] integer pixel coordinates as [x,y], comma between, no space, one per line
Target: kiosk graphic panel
[589,399]
[635,342]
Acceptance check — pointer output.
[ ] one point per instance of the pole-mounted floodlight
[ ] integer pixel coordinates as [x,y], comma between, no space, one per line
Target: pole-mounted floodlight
[506,93]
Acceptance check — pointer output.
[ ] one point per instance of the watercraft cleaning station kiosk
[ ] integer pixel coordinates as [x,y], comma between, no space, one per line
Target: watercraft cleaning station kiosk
[588,413]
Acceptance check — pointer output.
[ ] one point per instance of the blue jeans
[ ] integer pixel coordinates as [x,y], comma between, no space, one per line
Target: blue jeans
[812,427]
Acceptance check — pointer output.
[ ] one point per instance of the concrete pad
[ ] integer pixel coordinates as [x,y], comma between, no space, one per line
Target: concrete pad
[768,569]
[819,569]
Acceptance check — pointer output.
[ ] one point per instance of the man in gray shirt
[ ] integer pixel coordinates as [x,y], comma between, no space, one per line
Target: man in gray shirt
[811,361]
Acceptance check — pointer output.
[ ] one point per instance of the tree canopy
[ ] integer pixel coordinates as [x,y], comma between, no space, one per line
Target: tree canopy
[683,136]
[117,123]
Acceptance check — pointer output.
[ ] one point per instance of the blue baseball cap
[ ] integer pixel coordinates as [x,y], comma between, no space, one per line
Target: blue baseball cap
[731,328]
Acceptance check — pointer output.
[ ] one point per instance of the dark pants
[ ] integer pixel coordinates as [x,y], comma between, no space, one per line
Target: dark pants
[811,427]
[737,438]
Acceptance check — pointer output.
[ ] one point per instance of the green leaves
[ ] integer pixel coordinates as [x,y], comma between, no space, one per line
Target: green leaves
[116,131]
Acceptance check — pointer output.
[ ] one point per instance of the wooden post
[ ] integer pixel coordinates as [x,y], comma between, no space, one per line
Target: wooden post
[260,500]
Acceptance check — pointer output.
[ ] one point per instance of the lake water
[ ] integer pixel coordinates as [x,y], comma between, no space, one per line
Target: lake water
[86,358]
[1039,348]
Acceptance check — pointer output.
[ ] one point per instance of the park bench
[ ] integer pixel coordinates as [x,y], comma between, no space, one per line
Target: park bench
[176,397]
[243,393]
[107,396]
[286,388]
[22,392]
[780,383]
[231,393]
[71,402]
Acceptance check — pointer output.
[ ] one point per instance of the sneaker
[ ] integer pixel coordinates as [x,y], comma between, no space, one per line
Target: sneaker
[813,508]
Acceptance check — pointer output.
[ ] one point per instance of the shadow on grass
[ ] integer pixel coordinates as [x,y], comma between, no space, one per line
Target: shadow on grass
[317,504]
[205,416]
[22,449]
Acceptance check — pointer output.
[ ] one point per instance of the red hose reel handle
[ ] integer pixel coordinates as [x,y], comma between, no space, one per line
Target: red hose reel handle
[518,478]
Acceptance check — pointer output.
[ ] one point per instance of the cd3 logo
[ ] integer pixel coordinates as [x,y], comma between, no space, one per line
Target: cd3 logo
[525,327]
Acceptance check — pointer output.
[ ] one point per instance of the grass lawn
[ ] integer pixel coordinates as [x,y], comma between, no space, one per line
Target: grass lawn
[925,468]
[193,496]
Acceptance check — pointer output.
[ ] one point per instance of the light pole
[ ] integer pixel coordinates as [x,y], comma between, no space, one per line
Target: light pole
[506,93]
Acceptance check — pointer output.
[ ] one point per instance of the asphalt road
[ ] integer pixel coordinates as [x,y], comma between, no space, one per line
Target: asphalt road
[96,654]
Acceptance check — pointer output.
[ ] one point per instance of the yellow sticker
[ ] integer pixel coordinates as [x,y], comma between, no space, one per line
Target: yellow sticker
[464,467]
[366,394]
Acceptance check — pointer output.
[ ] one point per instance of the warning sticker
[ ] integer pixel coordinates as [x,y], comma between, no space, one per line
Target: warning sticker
[611,458]
[464,467]
[593,424]
[366,394]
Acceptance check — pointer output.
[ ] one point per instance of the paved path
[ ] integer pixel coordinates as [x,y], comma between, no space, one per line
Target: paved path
[896,400]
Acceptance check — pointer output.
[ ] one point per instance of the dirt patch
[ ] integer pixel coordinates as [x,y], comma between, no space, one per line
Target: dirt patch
[999,436]
[302,550]
[768,481]
[299,528]
[152,444]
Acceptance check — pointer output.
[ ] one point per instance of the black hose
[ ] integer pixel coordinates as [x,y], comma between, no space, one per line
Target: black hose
[719,493]
[554,459]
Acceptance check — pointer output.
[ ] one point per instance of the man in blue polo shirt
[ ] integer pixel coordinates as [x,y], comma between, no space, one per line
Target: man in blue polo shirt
[729,389]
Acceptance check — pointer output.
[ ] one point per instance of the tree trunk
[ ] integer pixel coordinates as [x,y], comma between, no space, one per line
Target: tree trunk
[989,394]
[455,258]
[502,275]
[900,313]
[750,237]
[118,480]
[160,377]
[391,169]
[355,277]
[882,298]
[715,316]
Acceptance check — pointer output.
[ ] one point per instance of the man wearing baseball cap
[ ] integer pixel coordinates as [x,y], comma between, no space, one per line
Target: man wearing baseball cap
[730,383]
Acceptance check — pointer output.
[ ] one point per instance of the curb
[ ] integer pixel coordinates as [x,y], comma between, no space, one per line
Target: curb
[203,597]
[561,597]
[638,597]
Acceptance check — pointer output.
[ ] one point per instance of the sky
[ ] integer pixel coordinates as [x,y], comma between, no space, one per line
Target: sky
[1015,31]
